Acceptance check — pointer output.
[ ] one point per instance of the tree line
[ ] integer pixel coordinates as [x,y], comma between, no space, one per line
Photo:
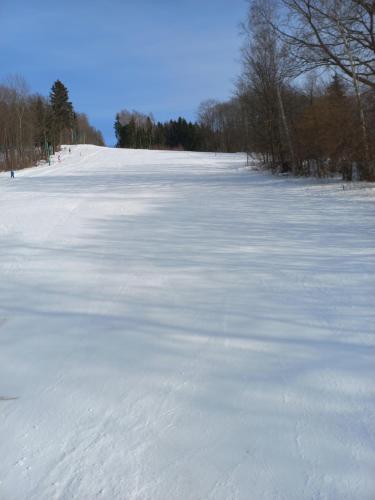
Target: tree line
[217,129]
[139,131]
[32,127]
[304,102]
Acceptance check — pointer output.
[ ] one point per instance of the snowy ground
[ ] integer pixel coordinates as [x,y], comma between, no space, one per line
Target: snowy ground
[173,326]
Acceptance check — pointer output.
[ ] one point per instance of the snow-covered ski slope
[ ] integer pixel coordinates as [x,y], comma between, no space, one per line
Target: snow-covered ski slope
[174,326]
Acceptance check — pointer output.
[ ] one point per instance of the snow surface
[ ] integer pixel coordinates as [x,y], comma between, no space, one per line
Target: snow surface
[175,326]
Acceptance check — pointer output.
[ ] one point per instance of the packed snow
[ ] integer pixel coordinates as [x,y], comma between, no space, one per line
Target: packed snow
[177,326]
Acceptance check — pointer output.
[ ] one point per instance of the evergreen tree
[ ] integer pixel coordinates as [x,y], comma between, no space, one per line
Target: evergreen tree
[336,88]
[119,132]
[131,134]
[61,112]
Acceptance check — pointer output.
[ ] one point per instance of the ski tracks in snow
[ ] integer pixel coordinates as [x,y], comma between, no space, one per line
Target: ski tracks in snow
[186,338]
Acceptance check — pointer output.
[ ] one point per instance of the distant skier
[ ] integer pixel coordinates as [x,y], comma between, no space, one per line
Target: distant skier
[12,174]
[70,150]
[59,158]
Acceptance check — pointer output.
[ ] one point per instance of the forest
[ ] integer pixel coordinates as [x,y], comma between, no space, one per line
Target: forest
[304,102]
[139,131]
[33,127]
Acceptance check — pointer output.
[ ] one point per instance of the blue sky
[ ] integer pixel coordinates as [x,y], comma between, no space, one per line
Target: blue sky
[161,56]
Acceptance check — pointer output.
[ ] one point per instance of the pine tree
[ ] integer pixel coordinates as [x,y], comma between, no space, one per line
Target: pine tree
[336,88]
[118,132]
[61,111]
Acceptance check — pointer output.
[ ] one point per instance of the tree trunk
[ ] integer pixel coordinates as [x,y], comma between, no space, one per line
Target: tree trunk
[286,129]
